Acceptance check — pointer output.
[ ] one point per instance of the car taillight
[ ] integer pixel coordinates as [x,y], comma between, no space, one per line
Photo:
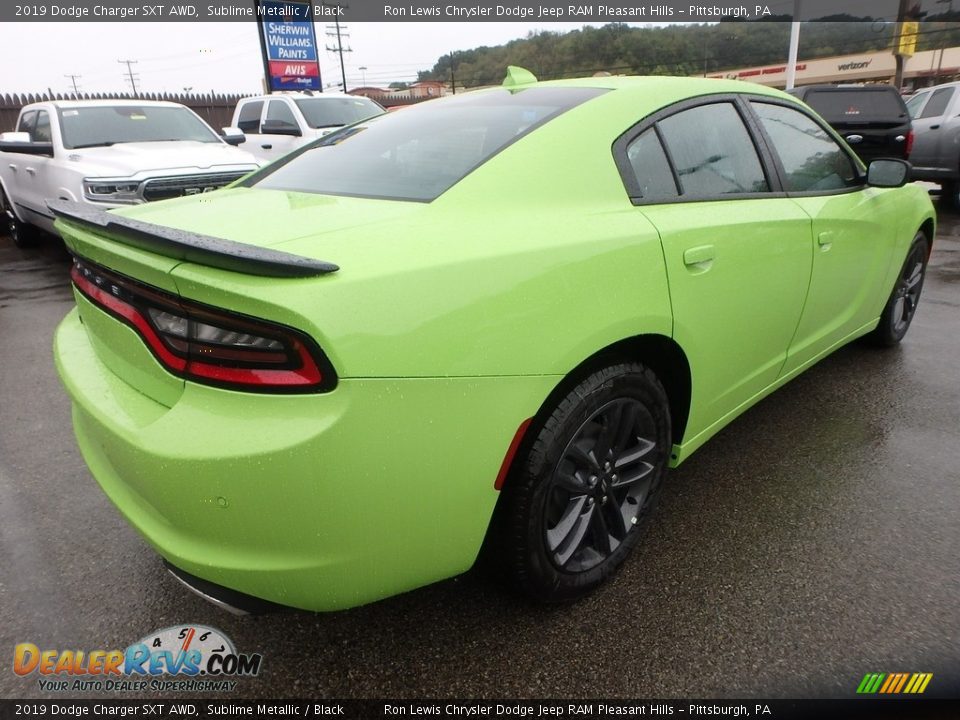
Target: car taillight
[906,152]
[207,344]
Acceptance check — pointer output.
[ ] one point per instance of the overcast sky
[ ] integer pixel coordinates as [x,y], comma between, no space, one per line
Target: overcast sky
[225,56]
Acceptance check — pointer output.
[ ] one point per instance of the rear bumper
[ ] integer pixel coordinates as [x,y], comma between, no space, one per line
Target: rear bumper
[319,502]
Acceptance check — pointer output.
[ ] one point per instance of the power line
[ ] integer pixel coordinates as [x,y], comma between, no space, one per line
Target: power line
[131,76]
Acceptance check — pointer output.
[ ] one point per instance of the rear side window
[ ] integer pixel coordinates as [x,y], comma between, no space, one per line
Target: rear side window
[858,105]
[420,152]
[811,159]
[712,151]
[650,166]
[937,105]
[249,120]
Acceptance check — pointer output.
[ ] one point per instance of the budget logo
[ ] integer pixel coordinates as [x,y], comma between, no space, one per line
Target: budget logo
[894,683]
[184,652]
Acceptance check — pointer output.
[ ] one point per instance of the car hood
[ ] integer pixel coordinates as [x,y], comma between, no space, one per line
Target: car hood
[149,159]
[315,226]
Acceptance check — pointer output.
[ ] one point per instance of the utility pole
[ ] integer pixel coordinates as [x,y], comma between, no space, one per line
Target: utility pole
[453,80]
[73,79]
[131,76]
[335,31]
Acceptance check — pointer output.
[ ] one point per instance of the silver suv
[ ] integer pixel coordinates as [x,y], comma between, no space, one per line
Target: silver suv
[936,144]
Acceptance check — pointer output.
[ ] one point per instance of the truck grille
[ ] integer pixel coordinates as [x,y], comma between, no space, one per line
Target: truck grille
[171,187]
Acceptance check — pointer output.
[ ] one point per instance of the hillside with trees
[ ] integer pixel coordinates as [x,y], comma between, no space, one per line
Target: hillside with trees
[681,49]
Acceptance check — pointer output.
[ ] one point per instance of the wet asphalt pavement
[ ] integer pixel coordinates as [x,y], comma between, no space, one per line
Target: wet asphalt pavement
[814,540]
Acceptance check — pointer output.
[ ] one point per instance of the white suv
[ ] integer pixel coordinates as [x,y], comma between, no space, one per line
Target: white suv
[276,124]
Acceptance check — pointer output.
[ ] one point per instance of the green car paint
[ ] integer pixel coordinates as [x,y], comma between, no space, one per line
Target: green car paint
[449,323]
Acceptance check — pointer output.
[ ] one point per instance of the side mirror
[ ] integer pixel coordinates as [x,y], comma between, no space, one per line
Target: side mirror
[278,127]
[233,136]
[19,142]
[888,173]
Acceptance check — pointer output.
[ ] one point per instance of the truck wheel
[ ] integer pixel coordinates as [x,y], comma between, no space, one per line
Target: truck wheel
[23,235]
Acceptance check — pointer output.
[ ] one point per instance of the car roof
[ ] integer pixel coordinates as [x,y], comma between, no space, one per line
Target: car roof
[67,104]
[300,96]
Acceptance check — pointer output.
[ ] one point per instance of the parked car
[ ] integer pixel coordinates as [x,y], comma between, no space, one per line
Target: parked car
[276,124]
[873,119]
[500,315]
[108,153]
[936,147]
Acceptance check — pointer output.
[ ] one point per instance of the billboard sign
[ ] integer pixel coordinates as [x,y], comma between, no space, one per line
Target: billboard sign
[289,44]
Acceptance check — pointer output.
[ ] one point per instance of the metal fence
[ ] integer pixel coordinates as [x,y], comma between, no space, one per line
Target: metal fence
[217,110]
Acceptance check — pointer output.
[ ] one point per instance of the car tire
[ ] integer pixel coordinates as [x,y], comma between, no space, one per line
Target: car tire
[23,235]
[902,305]
[583,492]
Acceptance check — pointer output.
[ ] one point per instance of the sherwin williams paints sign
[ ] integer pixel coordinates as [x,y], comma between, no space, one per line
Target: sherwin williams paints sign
[289,44]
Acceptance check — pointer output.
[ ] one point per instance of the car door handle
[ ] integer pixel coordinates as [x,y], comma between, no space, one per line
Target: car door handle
[12,167]
[699,258]
[31,171]
[267,146]
[935,127]
[825,240]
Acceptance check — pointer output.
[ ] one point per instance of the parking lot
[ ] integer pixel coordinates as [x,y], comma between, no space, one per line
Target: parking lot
[812,541]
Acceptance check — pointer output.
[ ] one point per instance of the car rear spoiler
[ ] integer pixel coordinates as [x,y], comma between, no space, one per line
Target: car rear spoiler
[190,246]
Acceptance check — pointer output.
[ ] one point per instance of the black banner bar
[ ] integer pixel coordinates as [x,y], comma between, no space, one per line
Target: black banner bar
[470,11]
[854,709]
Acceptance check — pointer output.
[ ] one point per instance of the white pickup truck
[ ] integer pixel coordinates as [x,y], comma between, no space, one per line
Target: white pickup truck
[109,153]
[276,124]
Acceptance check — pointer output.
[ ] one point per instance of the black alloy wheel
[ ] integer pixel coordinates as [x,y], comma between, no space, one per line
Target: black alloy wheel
[600,485]
[903,302]
[578,498]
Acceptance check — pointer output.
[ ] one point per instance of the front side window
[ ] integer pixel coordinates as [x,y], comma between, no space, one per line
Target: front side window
[937,105]
[105,125]
[41,132]
[249,119]
[320,112]
[811,159]
[279,115]
[28,121]
[915,103]
[712,152]
[419,153]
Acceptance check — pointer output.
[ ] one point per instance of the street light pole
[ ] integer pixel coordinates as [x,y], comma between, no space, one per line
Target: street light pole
[794,46]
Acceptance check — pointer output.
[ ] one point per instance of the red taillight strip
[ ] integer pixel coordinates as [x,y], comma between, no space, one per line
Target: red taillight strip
[511,452]
[132,315]
[307,376]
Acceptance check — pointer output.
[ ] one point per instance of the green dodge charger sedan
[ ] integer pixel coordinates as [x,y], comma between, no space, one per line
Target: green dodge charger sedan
[491,320]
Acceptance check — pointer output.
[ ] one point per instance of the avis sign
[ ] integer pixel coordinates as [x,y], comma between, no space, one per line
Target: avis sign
[289,44]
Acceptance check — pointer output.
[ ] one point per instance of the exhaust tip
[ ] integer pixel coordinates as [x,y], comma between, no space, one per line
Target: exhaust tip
[233,601]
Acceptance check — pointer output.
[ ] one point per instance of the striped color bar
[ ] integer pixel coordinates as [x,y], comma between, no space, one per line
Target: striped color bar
[894,683]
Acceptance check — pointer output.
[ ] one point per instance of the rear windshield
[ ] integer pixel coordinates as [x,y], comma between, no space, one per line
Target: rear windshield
[101,126]
[334,112]
[860,105]
[417,153]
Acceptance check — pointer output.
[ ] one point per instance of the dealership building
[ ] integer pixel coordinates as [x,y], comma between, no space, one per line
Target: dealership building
[926,68]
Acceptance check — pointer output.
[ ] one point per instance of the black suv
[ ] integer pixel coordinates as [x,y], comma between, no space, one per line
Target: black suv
[873,119]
